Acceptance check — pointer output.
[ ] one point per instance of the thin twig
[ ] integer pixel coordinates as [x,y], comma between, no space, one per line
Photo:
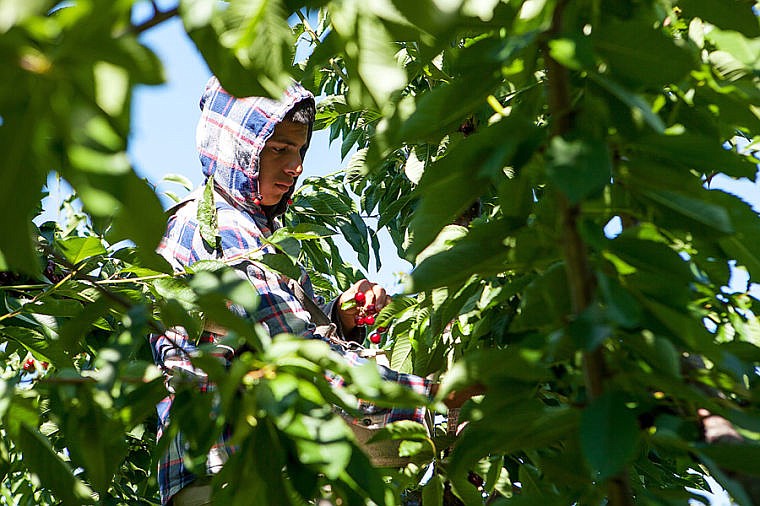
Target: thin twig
[37,297]
[111,281]
[158,18]
[307,27]
[83,380]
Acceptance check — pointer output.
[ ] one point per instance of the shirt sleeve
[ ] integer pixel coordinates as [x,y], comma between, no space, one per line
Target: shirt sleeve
[173,351]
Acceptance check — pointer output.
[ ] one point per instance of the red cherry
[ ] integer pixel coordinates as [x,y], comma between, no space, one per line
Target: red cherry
[29,365]
[361,320]
[257,201]
[374,338]
[371,308]
[382,329]
[369,319]
[290,202]
[360,298]
[44,365]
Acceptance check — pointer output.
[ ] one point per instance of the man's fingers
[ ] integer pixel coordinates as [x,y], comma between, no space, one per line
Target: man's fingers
[374,294]
[380,297]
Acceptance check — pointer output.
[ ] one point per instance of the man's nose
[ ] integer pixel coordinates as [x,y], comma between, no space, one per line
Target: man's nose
[294,166]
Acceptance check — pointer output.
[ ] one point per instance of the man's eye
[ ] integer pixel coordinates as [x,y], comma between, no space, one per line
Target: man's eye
[278,150]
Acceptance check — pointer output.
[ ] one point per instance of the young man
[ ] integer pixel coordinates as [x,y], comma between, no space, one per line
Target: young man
[253,148]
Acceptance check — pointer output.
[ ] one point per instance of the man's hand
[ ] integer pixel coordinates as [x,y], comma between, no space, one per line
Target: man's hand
[375,299]
[456,398]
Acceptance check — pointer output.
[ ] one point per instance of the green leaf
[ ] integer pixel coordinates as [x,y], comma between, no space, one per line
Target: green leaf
[136,211]
[609,435]
[246,44]
[20,191]
[282,264]
[641,55]
[179,179]
[532,426]
[702,212]
[579,168]
[401,352]
[588,330]
[737,49]
[545,301]
[207,217]
[230,284]
[99,162]
[572,52]
[741,458]
[398,306]
[77,249]
[694,151]
[42,460]
[451,185]
[480,252]
[370,57]
[727,14]
[432,492]
[34,341]
[414,167]
[14,13]
[301,232]
[632,100]
[401,430]
[112,87]
[622,307]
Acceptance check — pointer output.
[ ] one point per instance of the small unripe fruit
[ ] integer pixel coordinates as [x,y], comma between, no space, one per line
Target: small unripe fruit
[374,338]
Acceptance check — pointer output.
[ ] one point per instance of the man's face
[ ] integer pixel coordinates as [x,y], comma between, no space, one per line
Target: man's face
[280,161]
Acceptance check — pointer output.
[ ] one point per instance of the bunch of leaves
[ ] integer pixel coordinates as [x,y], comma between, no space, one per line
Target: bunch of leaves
[568,123]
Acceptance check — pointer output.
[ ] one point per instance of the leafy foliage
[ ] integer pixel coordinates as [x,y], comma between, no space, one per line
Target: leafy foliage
[549,168]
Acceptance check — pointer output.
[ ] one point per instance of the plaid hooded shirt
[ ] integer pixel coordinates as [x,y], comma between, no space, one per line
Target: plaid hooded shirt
[230,137]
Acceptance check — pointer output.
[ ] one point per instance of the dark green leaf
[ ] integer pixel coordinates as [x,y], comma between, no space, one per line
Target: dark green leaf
[741,458]
[726,14]
[640,54]
[622,307]
[609,435]
[578,168]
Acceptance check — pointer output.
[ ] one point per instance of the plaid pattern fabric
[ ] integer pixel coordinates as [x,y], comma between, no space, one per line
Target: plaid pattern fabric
[230,137]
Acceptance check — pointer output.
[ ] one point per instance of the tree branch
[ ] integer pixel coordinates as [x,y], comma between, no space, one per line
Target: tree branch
[158,18]
[580,277]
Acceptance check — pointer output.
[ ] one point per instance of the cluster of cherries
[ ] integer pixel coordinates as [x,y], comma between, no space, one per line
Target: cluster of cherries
[31,365]
[366,316]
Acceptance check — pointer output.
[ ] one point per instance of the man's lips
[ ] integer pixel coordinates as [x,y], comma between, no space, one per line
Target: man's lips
[283,186]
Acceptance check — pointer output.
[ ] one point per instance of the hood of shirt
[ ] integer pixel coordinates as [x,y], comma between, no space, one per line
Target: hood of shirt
[230,136]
